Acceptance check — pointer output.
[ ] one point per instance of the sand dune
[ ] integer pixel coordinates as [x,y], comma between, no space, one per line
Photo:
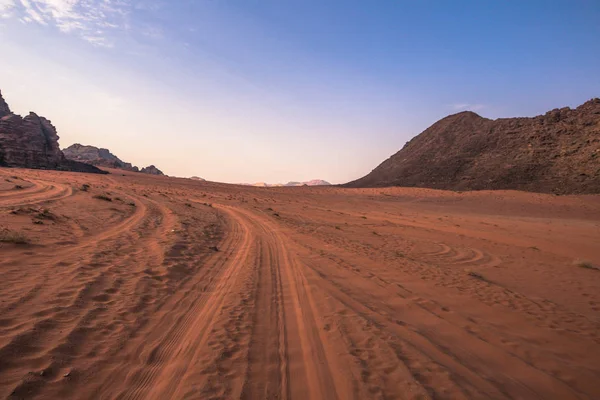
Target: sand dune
[143,287]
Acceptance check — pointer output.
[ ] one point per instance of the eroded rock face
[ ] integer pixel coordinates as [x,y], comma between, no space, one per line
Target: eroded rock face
[29,142]
[558,152]
[32,142]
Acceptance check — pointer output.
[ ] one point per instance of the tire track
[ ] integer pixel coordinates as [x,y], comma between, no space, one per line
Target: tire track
[44,192]
[78,297]
[264,379]
[87,246]
[182,332]
[435,346]
[309,360]
[256,318]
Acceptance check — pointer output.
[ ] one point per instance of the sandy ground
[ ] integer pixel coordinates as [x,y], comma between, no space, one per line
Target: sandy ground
[140,287]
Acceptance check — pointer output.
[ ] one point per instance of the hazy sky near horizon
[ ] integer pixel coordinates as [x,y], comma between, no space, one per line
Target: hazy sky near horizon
[281,90]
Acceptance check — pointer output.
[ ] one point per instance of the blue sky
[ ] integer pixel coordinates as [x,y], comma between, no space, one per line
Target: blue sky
[280,90]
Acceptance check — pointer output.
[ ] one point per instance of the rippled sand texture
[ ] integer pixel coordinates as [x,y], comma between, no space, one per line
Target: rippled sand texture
[141,287]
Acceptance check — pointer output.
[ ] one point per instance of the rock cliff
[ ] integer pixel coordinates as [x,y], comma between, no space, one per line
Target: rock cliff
[32,142]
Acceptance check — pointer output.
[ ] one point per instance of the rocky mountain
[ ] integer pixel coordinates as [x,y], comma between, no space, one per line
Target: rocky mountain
[100,157]
[97,156]
[152,170]
[32,142]
[557,152]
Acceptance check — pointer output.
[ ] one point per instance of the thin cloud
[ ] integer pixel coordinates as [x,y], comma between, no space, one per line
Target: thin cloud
[6,8]
[32,13]
[98,41]
[92,20]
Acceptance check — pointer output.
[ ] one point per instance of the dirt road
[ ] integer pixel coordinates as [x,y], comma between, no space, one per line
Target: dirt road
[140,287]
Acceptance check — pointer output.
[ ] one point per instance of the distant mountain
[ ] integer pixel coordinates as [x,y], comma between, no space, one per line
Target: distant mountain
[103,158]
[152,170]
[314,182]
[197,178]
[556,152]
[97,156]
[32,142]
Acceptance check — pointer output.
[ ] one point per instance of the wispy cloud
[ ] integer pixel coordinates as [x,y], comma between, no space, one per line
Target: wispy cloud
[466,106]
[92,20]
[6,8]
[98,41]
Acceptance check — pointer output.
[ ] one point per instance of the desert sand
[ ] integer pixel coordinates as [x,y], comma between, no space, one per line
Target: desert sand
[139,287]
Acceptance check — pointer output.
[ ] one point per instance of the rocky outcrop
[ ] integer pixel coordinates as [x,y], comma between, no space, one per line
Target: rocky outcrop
[32,142]
[558,152]
[104,158]
[97,156]
[29,142]
[152,170]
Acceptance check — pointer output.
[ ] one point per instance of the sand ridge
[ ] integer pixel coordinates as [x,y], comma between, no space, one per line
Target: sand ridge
[142,287]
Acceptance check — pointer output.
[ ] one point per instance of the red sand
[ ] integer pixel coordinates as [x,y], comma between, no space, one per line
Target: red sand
[298,293]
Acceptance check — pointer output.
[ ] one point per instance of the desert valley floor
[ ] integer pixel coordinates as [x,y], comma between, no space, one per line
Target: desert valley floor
[139,287]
